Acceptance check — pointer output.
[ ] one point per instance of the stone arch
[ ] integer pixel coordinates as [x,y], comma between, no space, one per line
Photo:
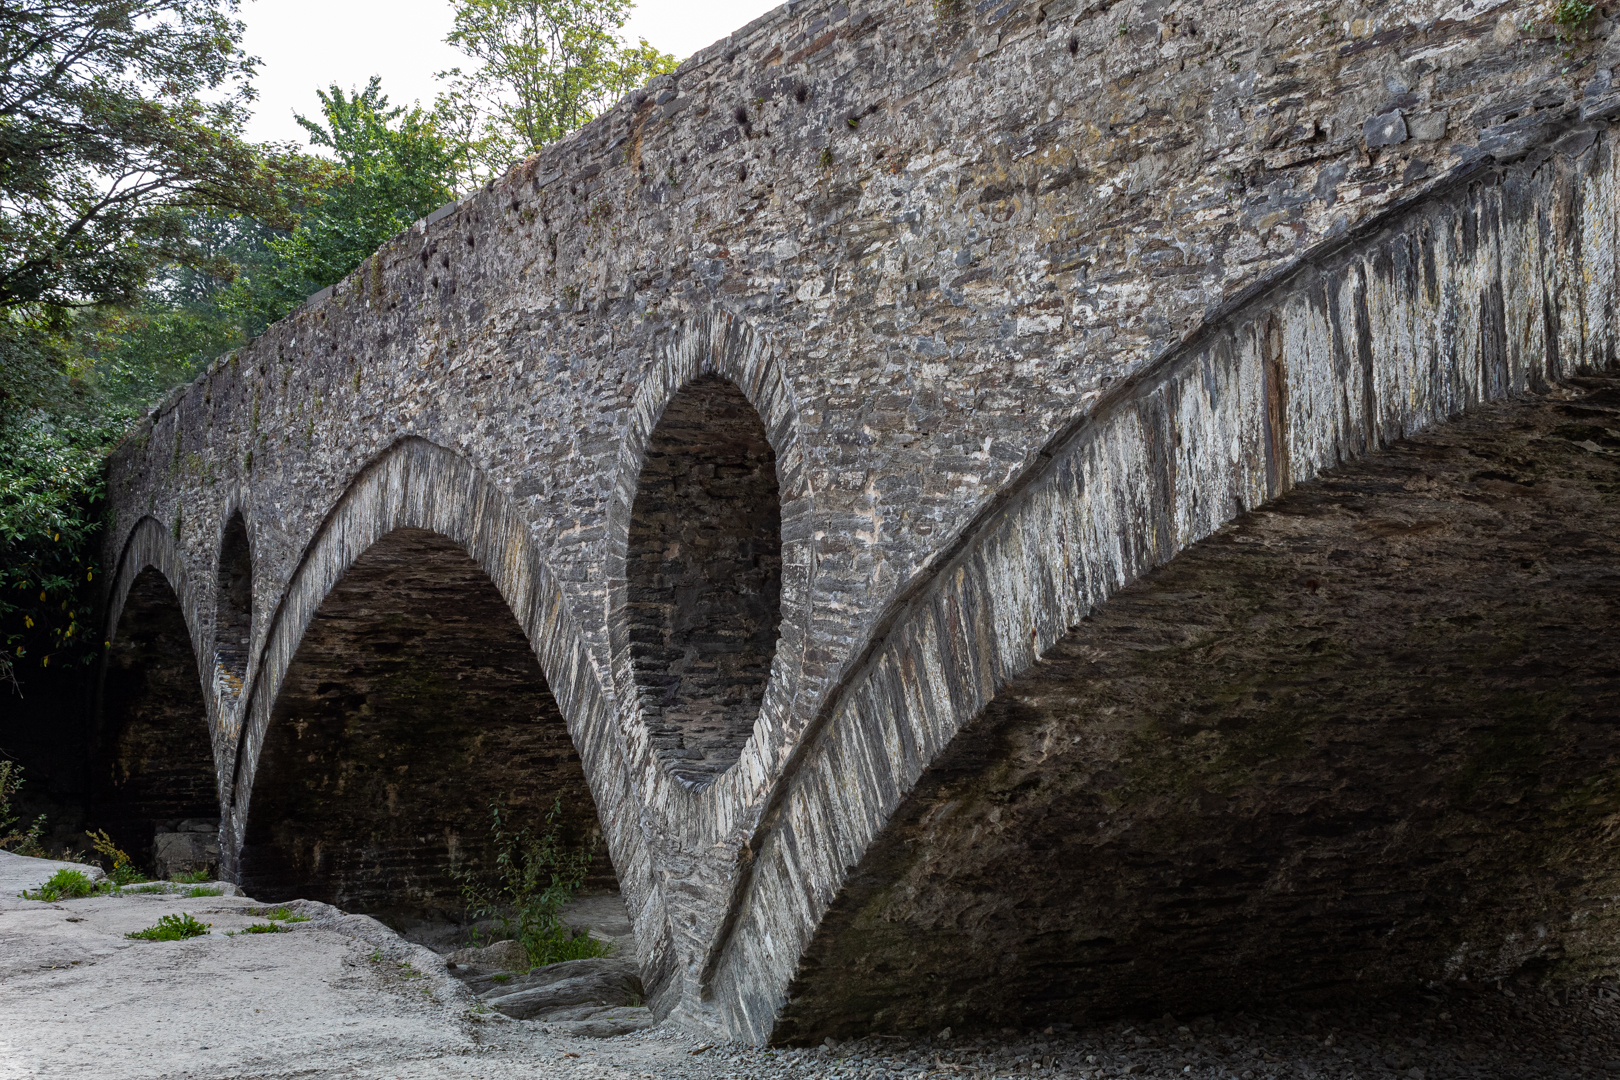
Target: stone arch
[233,608]
[417,484]
[704,578]
[155,786]
[1368,340]
[710,354]
[412,703]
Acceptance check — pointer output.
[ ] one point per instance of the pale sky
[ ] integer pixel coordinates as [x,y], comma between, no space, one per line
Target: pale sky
[307,44]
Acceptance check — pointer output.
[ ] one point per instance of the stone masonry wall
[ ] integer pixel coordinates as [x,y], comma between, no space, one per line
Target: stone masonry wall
[926,242]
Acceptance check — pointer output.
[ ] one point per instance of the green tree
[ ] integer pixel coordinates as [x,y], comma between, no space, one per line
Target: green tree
[393,165]
[117,118]
[545,68]
[120,123]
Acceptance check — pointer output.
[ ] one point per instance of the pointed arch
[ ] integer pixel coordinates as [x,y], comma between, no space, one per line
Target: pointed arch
[413,704]
[1345,351]
[417,484]
[154,775]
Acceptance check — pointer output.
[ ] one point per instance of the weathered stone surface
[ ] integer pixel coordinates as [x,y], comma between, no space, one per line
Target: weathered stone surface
[186,852]
[1388,129]
[1027,300]
[501,956]
[574,983]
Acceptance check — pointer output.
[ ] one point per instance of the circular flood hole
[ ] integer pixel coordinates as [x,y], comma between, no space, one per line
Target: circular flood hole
[704,578]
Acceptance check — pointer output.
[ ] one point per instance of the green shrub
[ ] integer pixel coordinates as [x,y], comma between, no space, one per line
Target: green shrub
[197,891]
[261,928]
[64,885]
[535,876]
[195,877]
[172,928]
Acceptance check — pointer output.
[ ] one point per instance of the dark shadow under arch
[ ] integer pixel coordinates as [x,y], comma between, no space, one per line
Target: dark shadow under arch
[412,702]
[704,578]
[1360,743]
[153,786]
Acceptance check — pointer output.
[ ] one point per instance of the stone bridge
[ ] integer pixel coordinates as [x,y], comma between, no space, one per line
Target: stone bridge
[991,515]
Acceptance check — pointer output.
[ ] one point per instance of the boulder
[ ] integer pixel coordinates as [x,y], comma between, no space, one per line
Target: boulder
[185,852]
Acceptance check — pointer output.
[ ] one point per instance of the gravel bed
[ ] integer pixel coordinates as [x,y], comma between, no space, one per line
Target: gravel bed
[1501,1033]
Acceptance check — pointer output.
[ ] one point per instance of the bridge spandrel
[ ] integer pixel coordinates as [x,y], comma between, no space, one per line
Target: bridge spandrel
[925,242]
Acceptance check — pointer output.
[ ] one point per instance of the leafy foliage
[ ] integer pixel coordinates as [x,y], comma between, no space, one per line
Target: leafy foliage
[535,876]
[394,165]
[116,118]
[545,68]
[172,928]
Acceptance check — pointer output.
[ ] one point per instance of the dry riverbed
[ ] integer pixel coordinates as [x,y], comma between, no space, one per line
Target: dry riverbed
[343,996]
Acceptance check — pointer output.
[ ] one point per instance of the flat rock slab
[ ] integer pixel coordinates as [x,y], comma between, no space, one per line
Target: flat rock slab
[19,873]
[577,982]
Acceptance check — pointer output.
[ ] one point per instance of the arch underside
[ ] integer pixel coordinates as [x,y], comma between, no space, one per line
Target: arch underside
[154,762]
[414,702]
[1362,739]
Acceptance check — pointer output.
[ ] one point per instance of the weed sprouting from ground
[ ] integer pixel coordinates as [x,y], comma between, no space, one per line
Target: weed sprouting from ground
[64,885]
[122,871]
[536,874]
[203,890]
[172,928]
[259,928]
[281,914]
[194,877]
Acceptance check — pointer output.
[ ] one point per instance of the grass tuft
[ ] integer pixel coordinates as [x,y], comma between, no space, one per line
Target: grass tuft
[172,928]
[64,885]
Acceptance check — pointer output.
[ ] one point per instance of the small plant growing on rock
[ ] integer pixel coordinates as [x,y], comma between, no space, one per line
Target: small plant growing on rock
[63,885]
[281,914]
[259,928]
[172,928]
[1570,15]
[536,874]
[194,877]
[122,871]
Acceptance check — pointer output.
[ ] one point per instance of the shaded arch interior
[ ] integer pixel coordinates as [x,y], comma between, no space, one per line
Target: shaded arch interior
[413,702]
[154,788]
[704,578]
[1363,742]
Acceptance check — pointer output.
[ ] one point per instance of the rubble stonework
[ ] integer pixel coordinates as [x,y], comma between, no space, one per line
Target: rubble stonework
[1027,297]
